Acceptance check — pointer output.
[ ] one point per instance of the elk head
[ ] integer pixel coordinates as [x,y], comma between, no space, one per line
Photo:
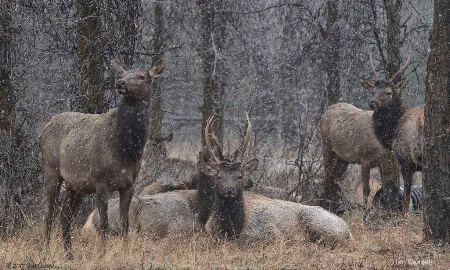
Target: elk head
[136,84]
[228,170]
[158,145]
[384,93]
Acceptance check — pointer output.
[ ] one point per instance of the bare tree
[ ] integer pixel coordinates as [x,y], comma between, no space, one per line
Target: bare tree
[332,37]
[7,99]
[157,102]
[90,56]
[437,129]
[211,93]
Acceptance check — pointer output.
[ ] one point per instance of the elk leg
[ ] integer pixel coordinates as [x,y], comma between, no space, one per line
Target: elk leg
[329,159]
[365,178]
[408,169]
[126,196]
[52,187]
[102,206]
[71,203]
[335,167]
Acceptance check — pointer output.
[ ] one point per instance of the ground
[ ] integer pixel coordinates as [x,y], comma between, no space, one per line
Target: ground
[398,246]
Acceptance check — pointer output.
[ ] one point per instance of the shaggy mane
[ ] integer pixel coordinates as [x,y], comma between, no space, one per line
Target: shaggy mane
[132,127]
[229,215]
[386,122]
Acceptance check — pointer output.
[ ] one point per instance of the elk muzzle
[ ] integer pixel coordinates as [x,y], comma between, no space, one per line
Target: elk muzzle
[373,105]
[229,192]
[121,86]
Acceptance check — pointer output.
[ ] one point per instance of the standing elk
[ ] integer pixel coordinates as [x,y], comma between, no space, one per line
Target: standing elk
[98,153]
[397,127]
[221,207]
[347,138]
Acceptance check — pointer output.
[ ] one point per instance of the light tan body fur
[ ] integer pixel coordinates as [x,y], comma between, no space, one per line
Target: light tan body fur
[409,140]
[266,219]
[69,135]
[348,138]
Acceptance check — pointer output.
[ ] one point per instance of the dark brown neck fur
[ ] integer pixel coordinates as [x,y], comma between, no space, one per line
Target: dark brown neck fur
[206,193]
[229,216]
[386,122]
[132,127]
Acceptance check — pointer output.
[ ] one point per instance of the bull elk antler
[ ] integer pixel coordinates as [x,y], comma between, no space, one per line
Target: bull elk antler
[373,67]
[208,143]
[239,157]
[400,70]
[393,76]
[240,153]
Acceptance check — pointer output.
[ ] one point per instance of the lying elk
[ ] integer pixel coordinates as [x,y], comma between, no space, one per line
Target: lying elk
[347,138]
[397,127]
[223,209]
[97,153]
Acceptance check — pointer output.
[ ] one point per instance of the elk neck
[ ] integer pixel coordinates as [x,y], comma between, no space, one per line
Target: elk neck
[229,215]
[386,122]
[132,127]
[206,195]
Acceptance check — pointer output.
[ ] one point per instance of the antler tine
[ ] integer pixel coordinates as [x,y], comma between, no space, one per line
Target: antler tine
[373,66]
[208,143]
[216,141]
[401,69]
[246,140]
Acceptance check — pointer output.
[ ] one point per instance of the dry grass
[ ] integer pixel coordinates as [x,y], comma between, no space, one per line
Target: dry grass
[387,248]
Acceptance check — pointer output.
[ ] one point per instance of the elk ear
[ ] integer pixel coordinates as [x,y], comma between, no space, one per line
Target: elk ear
[118,66]
[368,84]
[157,69]
[400,85]
[249,167]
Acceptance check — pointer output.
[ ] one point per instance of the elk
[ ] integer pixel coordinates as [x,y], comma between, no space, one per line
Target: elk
[220,207]
[248,217]
[347,138]
[96,153]
[227,215]
[397,127]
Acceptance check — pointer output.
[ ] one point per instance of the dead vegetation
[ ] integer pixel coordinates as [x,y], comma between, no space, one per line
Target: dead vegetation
[386,248]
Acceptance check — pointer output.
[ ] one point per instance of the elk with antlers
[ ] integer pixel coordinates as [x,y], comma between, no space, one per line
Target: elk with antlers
[223,209]
[228,214]
[397,127]
[347,138]
[94,153]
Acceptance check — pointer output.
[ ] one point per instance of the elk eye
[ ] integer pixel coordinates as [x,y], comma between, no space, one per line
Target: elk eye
[389,93]
[239,176]
[141,77]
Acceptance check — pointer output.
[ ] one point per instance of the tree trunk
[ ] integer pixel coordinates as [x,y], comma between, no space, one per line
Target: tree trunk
[333,58]
[393,9]
[220,70]
[7,99]
[131,10]
[9,141]
[211,94]
[390,181]
[437,129]
[157,102]
[388,164]
[90,56]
